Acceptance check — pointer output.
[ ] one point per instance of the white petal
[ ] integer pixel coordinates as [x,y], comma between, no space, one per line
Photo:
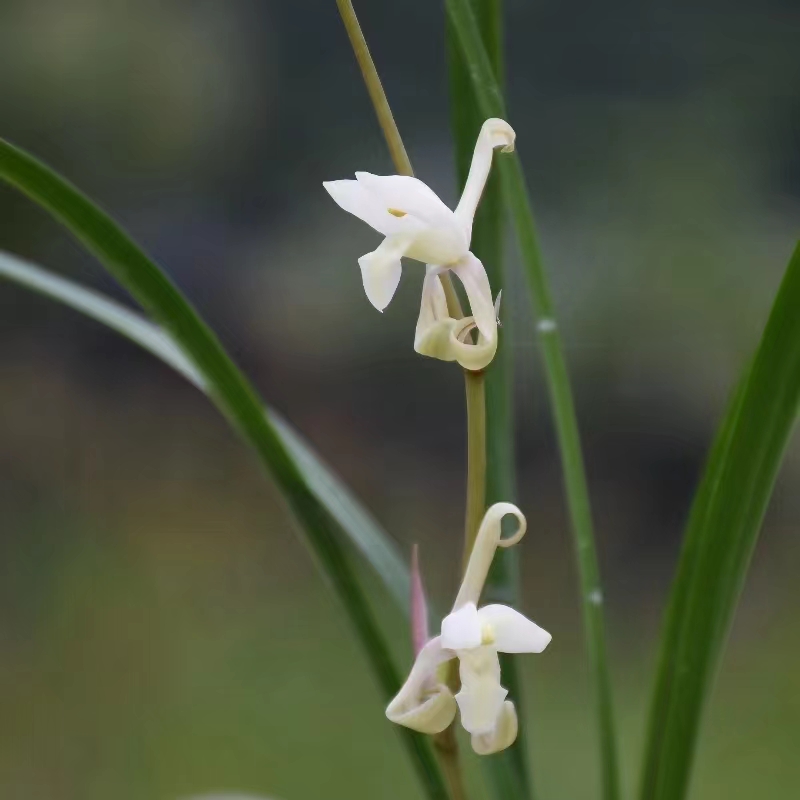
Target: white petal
[407,195]
[423,703]
[487,541]
[476,283]
[502,734]
[428,712]
[442,340]
[479,708]
[494,133]
[440,336]
[381,270]
[481,697]
[356,200]
[433,306]
[512,632]
[432,335]
[461,630]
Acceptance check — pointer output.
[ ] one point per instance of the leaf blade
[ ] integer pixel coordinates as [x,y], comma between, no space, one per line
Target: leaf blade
[721,535]
[230,391]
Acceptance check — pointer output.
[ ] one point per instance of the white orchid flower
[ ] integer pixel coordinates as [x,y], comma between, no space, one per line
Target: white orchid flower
[418,225]
[475,636]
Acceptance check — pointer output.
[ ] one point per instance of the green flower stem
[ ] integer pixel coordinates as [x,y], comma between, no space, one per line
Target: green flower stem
[490,101]
[509,771]
[397,150]
[445,743]
[475,384]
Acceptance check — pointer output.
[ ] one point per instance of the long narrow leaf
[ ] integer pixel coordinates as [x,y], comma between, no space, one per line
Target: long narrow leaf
[489,98]
[356,522]
[722,533]
[508,770]
[231,393]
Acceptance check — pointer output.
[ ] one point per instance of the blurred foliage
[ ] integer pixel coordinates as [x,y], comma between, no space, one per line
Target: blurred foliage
[161,632]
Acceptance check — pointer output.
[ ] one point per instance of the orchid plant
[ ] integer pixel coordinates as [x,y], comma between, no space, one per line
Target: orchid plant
[418,225]
[456,673]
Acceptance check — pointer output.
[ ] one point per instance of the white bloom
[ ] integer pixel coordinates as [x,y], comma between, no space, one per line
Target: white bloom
[418,225]
[441,336]
[475,636]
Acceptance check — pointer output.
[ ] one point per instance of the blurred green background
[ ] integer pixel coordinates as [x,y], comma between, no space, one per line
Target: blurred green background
[162,632]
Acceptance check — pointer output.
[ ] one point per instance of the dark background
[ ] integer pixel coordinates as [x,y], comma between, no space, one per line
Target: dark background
[162,631]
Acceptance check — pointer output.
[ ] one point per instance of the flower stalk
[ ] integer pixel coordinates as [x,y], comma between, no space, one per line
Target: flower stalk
[372,80]
[417,225]
[391,133]
[475,385]
[445,743]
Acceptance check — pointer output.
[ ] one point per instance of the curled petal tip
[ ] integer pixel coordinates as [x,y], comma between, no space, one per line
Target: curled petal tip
[501,133]
[489,538]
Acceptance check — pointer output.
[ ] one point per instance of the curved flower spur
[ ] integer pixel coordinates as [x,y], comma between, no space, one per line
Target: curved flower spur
[474,636]
[418,225]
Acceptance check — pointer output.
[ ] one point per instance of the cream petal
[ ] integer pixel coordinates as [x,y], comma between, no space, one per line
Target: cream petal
[407,195]
[442,340]
[479,707]
[435,340]
[487,541]
[494,133]
[432,712]
[440,336]
[481,696]
[476,283]
[501,736]
[461,630]
[424,703]
[354,198]
[511,631]
[432,335]
[473,357]
[433,306]
[381,270]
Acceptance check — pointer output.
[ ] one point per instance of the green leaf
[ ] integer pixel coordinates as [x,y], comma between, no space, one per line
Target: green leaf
[720,538]
[509,770]
[230,391]
[489,97]
[356,522]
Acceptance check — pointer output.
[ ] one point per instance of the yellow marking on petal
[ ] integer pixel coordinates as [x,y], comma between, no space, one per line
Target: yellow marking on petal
[396,212]
[487,634]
